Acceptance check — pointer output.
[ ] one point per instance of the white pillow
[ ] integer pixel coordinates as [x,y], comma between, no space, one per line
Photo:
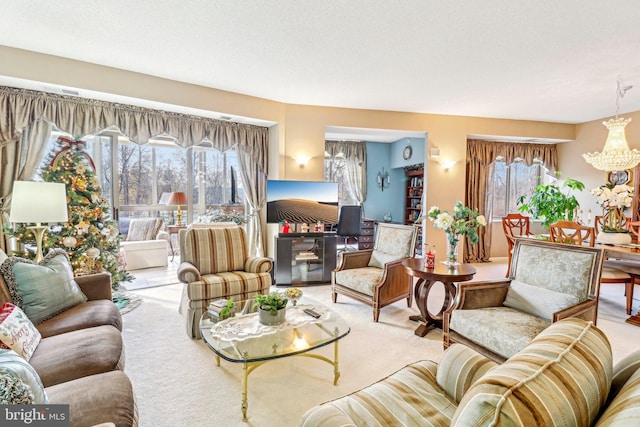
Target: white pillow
[17,333]
[537,301]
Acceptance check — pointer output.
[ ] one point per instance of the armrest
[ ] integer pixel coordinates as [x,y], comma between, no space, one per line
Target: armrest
[95,286]
[473,295]
[395,279]
[163,235]
[459,368]
[356,259]
[257,264]
[585,310]
[188,273]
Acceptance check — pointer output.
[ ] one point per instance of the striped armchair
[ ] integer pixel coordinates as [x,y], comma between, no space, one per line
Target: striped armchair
[216,265]
[564,377]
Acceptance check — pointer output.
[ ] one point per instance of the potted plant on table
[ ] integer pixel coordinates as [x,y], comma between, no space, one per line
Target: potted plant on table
[271,308]
[614,199]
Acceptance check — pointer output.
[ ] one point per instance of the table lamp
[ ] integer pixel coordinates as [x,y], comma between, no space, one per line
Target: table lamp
[38,202]
[178,198]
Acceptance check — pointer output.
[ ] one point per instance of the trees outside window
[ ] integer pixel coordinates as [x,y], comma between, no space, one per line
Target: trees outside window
[512,181]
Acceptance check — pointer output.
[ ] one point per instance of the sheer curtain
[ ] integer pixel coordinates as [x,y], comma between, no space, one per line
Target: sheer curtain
[355,155]
[20,158]
[80,116]
[481,156]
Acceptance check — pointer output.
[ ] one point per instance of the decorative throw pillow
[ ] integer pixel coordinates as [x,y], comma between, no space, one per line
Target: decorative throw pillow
[16,368]
[14,391]
[45,289]
[380,258]
[17,332]
[143,229]
[537,301]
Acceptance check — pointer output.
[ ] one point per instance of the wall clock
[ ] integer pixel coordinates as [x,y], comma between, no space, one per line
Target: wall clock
[619,177]
[406,153]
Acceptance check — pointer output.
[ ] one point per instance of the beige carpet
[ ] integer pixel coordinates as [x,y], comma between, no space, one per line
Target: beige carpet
[177,383]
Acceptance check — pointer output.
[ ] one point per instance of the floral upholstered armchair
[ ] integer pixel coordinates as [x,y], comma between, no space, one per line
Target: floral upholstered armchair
[377,277]
[547,282]
[216,265]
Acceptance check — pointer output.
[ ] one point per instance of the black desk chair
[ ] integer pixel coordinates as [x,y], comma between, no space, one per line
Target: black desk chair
[349,225]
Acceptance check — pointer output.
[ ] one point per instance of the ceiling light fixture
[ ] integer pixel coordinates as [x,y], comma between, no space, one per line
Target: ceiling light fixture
[616,155]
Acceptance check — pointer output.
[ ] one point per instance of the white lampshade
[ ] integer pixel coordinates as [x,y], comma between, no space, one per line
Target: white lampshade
[39,202]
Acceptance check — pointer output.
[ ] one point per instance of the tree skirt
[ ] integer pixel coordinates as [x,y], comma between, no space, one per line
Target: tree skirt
[126,301]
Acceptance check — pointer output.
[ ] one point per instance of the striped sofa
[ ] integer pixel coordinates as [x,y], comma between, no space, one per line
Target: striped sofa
[215,265]
[564,377]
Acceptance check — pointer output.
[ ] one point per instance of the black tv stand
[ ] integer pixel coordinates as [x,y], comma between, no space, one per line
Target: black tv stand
[304,258]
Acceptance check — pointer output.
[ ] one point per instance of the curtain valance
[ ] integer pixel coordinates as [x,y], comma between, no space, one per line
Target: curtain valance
[486,153]
[81,116]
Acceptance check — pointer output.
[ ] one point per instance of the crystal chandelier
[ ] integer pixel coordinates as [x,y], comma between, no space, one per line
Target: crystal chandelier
[615,155]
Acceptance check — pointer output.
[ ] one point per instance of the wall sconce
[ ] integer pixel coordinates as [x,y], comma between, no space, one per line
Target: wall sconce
[301,161]
[383,179]
[446,165]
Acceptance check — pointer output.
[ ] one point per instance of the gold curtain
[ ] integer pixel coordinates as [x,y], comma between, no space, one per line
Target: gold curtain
[481,156]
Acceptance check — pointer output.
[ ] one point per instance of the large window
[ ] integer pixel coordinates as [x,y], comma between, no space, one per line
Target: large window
[511,182]
[147,174]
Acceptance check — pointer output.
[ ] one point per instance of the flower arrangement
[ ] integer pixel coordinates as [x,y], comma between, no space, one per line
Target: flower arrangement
[463,221]
[614,199]
[293,294]
[271,302]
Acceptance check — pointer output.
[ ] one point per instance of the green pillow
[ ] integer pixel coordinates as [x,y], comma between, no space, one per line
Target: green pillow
[45,289]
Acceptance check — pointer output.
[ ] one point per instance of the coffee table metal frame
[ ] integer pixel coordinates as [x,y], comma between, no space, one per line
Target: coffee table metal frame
[331,330]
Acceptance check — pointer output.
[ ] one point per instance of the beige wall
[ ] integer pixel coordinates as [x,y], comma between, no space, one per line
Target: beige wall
[300,129]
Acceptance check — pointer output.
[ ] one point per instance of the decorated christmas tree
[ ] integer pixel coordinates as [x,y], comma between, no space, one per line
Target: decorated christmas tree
[90,237]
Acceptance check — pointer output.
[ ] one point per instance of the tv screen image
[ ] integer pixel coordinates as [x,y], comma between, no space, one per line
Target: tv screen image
[302,201]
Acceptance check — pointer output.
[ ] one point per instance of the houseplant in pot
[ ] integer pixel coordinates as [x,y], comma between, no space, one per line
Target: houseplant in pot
[272,308]
[551,202]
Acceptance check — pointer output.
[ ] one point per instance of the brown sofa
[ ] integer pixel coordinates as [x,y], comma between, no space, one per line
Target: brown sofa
[80,359]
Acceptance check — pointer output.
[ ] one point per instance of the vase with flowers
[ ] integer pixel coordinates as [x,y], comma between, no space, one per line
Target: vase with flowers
[614,199]
[463,221]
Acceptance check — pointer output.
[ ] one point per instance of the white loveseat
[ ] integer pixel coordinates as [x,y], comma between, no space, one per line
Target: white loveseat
[145,244]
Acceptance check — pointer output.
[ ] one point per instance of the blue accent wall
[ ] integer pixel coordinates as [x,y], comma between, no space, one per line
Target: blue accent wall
[417,155]
[392,198]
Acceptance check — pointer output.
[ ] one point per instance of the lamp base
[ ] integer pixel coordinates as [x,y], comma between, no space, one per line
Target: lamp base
[38,232]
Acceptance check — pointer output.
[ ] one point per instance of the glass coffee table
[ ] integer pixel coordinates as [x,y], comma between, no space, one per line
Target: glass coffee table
[243,339]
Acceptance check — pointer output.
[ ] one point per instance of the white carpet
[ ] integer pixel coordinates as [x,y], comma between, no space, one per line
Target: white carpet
[178,384]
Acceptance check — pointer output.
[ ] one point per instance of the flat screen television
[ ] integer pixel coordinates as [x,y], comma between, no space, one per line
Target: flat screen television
[302,201]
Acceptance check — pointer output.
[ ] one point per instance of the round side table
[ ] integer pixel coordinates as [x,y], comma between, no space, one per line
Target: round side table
[448,276]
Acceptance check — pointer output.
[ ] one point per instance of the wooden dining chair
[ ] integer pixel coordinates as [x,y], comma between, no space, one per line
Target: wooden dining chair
[630,267]
[514,225]
[570,232]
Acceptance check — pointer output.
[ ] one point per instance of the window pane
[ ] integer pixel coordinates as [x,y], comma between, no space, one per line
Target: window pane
[216,181]
[335,170]
[135,167]
[499,190]
[99,148]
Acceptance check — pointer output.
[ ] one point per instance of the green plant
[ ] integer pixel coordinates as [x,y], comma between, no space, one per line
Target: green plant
[552,203]
[227,310]
[271,302]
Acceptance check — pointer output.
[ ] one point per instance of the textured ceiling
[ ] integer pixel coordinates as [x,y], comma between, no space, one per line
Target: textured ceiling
[536,60]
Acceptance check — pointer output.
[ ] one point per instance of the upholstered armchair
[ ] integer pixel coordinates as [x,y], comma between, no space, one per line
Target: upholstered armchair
[377,277]
[145,243]
[216,265]
[548,282]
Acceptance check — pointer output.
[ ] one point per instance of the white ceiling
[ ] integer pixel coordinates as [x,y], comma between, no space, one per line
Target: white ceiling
[543,60]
